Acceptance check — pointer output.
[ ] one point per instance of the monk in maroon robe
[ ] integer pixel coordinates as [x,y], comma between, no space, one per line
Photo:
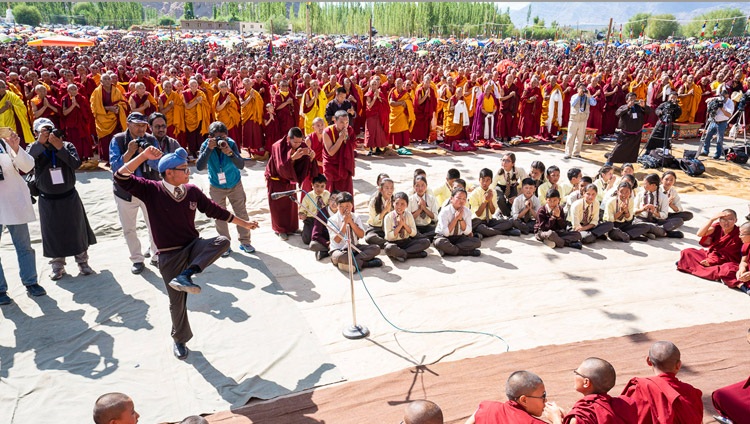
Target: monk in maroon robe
[77,121]
[508,123]
[594,378]
[289,164]
[733,402]
[425,105]
[376,117]
[721,260]
[286,107]
[614,98]
[663,399]
[597,111]
[526,401]
[530,110]
[339,142]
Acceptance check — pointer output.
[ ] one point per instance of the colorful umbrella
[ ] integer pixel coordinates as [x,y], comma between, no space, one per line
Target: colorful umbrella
[345,46]
[722,46]
[62,41]
[421,53]
[384,43]
[412,47]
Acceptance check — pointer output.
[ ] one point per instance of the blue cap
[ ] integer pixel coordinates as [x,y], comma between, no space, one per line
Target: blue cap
[172,160]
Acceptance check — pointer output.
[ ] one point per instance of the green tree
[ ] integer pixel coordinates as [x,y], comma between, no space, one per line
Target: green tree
[636,22]
[166,21]
[277,24]
[27,15]
[189,12]
[662,26]
[693,28]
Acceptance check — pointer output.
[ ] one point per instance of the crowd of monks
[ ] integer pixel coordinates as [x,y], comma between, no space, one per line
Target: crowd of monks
[395,96]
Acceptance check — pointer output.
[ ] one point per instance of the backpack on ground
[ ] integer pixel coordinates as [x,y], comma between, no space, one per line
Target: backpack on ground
[665,159]
[692,167]
[648,162]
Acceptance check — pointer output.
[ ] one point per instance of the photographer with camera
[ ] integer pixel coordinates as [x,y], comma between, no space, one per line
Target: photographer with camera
[221,156]
[16,212]
[123,147]
[719,110]
[667,113]
[632,116]
[65,227]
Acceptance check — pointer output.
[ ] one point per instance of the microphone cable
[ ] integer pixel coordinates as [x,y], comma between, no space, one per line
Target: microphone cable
[397,327]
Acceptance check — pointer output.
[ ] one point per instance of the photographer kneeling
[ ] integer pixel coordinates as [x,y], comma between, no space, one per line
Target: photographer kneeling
[720,109]
[123,147]
[667,112]
[221,156]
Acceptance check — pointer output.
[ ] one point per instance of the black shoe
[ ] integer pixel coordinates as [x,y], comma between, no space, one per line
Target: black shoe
[137,268]
[441,253]
[474,252]
[5,299]
[227,253]
[480,236]
[576,245]
[640,238]
[154,261]
[35,290]
[650,236]
[513,232]
[675,234]
[373,263]
[321,255]
[180,351]
[185,284]
[602,237]
[417,255]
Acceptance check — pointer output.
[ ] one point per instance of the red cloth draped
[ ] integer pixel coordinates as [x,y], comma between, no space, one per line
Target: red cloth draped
[339,168]
[503,412]
[530,113]
[603,409]
[507,124]
[288,116]
[597,111]
[283,174]
[723,254]
[77,125]
[423,113]
[665,400]
[376,120]
[733,402]
[609,119]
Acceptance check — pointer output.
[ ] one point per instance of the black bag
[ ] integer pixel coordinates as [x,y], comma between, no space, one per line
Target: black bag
[31,183]
[692,167]
[648,162]
[736,155]
[665,158]
[691,154]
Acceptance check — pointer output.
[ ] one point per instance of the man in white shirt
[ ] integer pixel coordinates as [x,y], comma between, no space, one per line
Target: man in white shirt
[584,215]
[344,221]
[718,125]
[580,107]
[453,231]
[652,209]
[16,212]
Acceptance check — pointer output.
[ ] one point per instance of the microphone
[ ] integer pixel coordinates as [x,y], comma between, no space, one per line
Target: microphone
[279,194]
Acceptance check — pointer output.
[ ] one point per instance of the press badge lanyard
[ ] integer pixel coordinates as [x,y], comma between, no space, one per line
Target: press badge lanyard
[54,172]
[221,176]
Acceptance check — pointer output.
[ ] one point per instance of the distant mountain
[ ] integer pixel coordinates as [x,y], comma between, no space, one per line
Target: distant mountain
[596,15]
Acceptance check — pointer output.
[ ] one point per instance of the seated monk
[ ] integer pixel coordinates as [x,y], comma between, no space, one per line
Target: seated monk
[720,261]
[527,404]
[664,399]
[422,412]
[594,378]
[733,401]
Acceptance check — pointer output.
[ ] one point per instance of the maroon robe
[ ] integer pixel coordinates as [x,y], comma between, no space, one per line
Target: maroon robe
[77,125]
[567,96]
[288,116]
[283,174]
[271,132]
[86,88]
[700,114]
[723,254]
[733,402]
[423,114]
[603,409]
[508,126]
[611,103]
[530,113]
[665,400]
[596,112]
[140,100]
[48,113]
[376,121]
[503,413]
[339,168]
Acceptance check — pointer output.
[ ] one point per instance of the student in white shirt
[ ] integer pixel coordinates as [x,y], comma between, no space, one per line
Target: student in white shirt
[483,204]
[508,182]
[652,208]
[668,179]
[525,207]
[380,205]
[453,231]
[424,208]
[585,217]
[401,238]
[618,210]
[553,181]
[346,222]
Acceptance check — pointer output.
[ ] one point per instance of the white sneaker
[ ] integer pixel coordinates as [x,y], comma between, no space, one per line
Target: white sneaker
[550,243]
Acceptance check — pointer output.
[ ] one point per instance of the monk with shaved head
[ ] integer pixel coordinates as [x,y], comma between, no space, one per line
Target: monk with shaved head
[423,412]
[664,399]
[527,404]
[115,408]
[594,378]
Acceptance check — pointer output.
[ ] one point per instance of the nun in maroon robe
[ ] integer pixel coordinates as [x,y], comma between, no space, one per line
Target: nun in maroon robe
[376,117]
[614,101]
[283,173]
[77,123]
[530,110]
[423,112]
[722,256]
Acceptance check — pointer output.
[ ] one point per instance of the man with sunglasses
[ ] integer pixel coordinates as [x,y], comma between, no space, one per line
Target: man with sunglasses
[171,205]
[527,404]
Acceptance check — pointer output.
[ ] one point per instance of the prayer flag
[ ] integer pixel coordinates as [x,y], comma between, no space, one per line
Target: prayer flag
[716,27]
[703,29]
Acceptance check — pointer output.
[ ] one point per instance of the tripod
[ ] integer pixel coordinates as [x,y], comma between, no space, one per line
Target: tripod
[741,125]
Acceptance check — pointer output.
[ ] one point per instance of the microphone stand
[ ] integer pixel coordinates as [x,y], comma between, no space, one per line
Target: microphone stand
[354,331]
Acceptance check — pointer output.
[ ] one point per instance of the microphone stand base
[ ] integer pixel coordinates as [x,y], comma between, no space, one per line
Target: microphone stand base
[355,332]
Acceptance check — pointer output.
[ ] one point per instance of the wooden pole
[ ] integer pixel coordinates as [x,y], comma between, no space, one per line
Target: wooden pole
[609,32]
[369,35]
[309,23]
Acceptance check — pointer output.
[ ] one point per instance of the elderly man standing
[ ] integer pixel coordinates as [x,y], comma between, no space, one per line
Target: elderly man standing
[108,107]
[125,146]
[182,252]
[65,227]
[16,212]
[221,156]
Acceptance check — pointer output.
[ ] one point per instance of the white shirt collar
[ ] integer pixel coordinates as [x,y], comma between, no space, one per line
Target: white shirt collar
[171,188]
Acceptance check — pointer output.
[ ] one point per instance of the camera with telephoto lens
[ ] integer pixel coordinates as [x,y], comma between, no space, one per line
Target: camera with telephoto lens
[743,101]
[56,131]
[221,142]
[713,107]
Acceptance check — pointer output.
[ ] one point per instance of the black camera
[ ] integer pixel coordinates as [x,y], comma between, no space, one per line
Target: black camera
[714,106]
[143,143]
[56,131]
[743,101]
[221,142]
